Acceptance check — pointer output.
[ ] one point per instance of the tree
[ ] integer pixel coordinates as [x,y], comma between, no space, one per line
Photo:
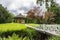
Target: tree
[46,2]
[54,7]
[33,15]
[5,16]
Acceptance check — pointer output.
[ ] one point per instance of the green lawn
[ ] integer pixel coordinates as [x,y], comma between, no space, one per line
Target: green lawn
[20,28]
[11,27]
[17,26]
[33,24]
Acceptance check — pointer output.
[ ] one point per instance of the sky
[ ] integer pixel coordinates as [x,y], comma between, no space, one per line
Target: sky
[20,6]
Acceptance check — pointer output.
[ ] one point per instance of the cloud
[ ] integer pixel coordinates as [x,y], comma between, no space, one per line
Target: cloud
[20,6]
[16,6]
[20,3]
[5,2]
[58,1]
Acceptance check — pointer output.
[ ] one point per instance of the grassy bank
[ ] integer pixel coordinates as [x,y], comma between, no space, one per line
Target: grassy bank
[11,27]
[17,31]
[7,30]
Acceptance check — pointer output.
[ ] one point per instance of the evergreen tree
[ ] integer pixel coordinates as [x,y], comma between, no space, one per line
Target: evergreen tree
[5,16]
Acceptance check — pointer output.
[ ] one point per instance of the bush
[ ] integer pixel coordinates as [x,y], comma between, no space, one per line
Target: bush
[26,34]
[32,20]
[54,38]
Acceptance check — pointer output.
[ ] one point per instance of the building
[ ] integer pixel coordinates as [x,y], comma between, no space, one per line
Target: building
[19,19]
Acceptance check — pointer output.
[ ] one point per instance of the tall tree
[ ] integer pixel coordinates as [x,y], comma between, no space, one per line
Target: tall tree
[5,16]
[46,2]
[54,7]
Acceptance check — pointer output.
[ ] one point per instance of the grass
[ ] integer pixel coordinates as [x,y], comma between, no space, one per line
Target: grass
[33,25]
[20,28]
[54,38]
[17,26]
[11,27]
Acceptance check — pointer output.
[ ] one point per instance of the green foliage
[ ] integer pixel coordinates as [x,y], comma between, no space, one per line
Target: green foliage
[13,27]
[55,8]
[27,35]
[32,35]
[22,33]
[54,38]
[32,20]
[26,38]
[46,2]
[15,37]
[5,16]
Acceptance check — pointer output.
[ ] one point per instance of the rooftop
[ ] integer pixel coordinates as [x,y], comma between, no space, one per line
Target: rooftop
[20,16]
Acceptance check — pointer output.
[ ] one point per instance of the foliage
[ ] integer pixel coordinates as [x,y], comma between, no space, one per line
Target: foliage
[5,16]
[15,37]
[54,7]
[32,35]
[32,20]
[20,32]
[44,1]
[13,27]
[49,18]
[20,29]
[23,34]
[54,38]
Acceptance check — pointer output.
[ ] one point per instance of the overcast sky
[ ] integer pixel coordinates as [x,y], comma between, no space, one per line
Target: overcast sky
[19,6]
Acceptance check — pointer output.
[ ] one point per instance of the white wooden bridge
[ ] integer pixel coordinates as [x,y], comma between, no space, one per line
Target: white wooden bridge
[47,29]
